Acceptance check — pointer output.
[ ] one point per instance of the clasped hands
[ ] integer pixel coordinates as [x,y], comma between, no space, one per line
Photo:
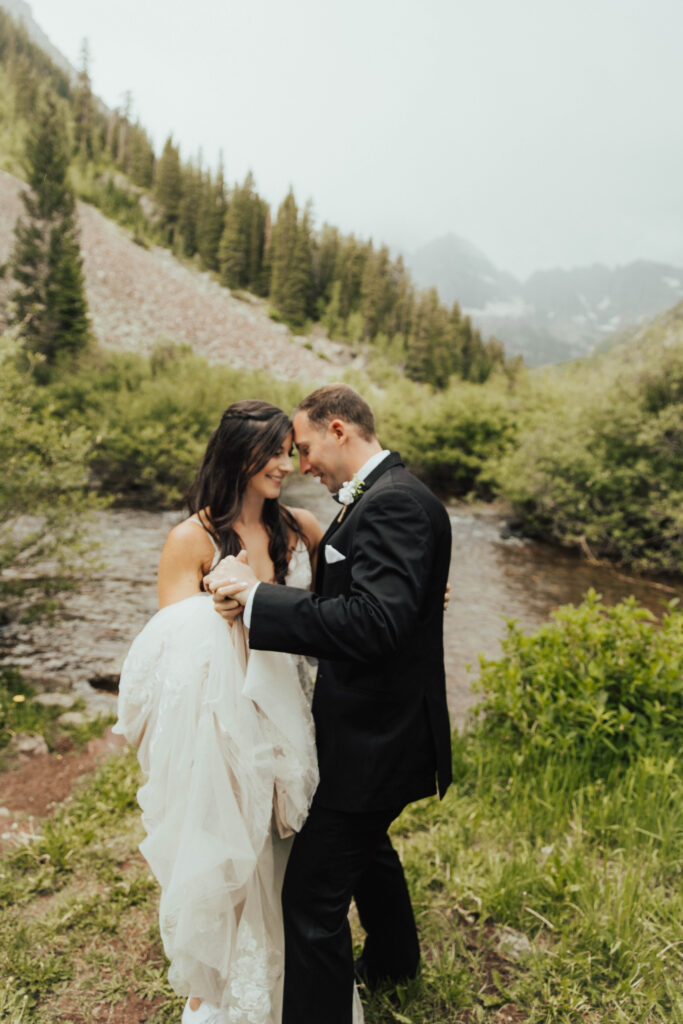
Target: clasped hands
[230,583]
[232,580]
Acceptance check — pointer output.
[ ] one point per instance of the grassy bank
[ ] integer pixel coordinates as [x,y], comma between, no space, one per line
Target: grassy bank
[591,877]
[546,885]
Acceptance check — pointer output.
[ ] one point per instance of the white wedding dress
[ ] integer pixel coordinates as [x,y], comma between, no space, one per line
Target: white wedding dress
[227,746]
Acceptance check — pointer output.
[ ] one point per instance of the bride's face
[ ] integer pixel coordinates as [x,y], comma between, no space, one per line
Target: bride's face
[267,483]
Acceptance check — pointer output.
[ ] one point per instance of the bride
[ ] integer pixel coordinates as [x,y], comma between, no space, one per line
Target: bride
[225,736]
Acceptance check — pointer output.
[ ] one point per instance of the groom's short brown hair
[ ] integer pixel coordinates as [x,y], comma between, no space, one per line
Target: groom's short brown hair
[332,400]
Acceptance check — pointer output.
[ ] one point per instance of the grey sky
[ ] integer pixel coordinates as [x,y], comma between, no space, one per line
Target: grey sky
[548,133]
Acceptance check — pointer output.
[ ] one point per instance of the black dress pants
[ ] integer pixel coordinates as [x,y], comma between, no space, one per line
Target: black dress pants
[338,855]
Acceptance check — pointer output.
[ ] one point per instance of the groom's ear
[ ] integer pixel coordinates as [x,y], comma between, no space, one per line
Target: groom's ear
[340,430]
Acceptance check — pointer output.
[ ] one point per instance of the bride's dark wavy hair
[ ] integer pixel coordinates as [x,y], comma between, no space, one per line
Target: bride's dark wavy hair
[248,435]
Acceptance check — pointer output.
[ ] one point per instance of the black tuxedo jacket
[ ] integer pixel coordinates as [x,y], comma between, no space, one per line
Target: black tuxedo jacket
[376,624]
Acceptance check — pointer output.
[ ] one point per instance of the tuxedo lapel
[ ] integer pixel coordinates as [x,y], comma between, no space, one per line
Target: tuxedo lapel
[393,459]
[346,511]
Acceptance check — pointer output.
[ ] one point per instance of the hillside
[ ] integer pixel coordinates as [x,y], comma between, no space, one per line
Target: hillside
[138,296]
[20,10]
[641,345]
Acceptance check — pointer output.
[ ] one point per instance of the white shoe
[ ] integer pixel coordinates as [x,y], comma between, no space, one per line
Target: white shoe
[206,1014]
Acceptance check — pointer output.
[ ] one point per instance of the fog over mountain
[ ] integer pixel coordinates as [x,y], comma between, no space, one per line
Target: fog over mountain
[555,314]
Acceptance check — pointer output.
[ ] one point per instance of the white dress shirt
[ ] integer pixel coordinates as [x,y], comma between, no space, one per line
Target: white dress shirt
[362,474]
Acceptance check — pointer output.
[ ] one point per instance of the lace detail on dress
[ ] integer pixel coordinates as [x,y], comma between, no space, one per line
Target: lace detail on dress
[300,575]
[254,975]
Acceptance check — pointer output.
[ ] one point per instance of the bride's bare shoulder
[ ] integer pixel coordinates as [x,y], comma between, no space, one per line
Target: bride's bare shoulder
[187,556]
[188,541]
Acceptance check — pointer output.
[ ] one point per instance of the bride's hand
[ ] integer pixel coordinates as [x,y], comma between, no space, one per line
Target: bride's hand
[227,607]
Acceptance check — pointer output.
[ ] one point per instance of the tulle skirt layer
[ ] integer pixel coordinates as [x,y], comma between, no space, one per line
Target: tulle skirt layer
[227,748]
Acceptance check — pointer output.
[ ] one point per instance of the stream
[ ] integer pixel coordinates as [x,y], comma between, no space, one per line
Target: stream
[492,579]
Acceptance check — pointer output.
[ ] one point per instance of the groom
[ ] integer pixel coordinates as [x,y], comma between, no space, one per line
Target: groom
[375,622]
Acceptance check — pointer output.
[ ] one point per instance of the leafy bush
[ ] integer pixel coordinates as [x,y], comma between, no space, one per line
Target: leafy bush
[595,685]
[44,499]
[151,417]
[600,461]
[449,439]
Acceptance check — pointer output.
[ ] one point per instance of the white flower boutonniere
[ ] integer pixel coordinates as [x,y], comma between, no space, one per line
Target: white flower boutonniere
[349,492]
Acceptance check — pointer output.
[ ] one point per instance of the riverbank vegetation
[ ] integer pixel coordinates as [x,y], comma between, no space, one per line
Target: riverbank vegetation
[45,493]
[546,885]
[598,463]
[589,455]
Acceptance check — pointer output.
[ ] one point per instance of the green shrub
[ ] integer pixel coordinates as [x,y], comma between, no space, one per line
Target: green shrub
[150,418]
[599,465]
[449,439]
[595,685]
[44,499]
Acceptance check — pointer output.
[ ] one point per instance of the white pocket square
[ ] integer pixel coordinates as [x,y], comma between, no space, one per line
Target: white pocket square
[332,555]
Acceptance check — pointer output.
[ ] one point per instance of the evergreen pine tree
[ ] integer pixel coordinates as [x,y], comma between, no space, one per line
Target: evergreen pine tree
[325,259]
[188,210]
[50,307]
[242,245]
[282,259]
[212,211]
[123,140]
[232,251]
[292,262]
[427,360]
[83,108]
[142,157]
[112,134]
[169,188]
[404,301]
[257,221]
[302,276]
[376,292]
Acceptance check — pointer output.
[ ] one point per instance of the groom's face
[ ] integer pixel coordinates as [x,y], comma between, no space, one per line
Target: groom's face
[321,451]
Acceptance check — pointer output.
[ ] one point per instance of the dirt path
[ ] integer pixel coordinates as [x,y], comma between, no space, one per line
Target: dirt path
[32,786]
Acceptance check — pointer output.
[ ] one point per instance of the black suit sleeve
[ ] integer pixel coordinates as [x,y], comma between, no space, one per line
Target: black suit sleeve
[391,561]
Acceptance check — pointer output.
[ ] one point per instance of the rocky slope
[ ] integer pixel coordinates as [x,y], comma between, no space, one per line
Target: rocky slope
[138,296]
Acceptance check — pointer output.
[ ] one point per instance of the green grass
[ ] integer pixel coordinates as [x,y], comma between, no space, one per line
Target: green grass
[588,871]
[20,713]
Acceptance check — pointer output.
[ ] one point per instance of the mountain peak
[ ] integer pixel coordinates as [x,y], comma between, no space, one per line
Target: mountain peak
[556,314]
[454,248]
[461,272]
